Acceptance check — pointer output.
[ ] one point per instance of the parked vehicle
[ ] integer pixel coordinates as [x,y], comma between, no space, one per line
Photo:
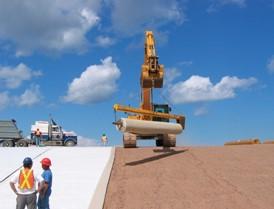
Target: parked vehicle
[11,136]
[53,134]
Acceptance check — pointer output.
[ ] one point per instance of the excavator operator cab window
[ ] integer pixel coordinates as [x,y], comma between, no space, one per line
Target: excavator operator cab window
[163,108]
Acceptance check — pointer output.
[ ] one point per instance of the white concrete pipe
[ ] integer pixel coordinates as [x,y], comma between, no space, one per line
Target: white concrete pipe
[148,127]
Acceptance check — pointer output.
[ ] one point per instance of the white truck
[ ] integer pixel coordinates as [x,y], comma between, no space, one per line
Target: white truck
[53,134]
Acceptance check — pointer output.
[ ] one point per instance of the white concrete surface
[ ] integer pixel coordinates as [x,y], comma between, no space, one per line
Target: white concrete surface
[11,158]
[97,201]
[76,174]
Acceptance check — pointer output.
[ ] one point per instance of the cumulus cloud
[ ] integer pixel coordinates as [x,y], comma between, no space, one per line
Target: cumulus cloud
[86,142]
[4,100]
[186,63]
[14,76]
[216,4]
[104,41]
[30,97]
[270,65]
[96,83]
[171,74]
[131,16]
[198,89]
[201,111]
[47,25]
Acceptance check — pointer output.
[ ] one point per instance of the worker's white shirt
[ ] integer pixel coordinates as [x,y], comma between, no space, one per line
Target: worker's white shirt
[104,138]
[37,179]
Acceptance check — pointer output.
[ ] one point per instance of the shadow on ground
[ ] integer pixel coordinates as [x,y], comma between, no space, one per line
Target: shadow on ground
[166,153]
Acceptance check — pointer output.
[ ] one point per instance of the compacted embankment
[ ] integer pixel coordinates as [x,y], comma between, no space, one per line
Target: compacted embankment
[233,177]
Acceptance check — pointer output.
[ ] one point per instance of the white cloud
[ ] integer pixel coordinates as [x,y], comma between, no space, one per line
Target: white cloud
[104,41]
[197,89]
[96,83]
[216,4]
[270,65]
[56,26]
[4,100]
[30,97]
[14,76]
[86,142]
[186,63]
[171,74]
[131,16]
[201,111]
[83,141]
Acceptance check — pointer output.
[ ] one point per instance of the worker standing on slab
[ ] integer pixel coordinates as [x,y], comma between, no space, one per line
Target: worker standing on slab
[26,191]
[45,191]
[38,135]
[104,139]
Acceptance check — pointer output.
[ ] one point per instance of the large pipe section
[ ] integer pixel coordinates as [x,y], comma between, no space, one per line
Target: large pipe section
[243,142]
[144,127]
[269,141]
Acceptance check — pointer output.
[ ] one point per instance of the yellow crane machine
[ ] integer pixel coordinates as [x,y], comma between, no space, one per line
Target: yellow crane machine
[149,121]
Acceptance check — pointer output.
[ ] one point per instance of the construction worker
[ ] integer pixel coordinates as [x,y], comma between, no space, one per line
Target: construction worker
[26,190]
[37,135]
[45,191]
[104,139]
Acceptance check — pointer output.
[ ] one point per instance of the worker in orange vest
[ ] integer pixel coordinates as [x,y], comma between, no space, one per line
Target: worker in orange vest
[37,135]
[26,181]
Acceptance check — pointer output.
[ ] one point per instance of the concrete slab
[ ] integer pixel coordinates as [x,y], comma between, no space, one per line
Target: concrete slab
[77,172]
[11,158]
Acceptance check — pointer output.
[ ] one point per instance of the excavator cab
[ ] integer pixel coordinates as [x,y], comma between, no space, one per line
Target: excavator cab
[163,108]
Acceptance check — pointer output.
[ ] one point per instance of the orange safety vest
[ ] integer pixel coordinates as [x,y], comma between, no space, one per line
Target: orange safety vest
[26,179]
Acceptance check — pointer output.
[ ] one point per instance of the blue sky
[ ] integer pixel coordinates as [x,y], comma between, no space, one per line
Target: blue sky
[75,59]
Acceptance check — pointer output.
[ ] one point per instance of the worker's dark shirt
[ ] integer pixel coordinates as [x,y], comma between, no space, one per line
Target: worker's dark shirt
[47,176]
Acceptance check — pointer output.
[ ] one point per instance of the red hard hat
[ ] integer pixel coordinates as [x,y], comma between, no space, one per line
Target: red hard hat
[46,161]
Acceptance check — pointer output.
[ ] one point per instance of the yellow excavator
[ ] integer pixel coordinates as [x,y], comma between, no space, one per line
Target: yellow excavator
[150,121]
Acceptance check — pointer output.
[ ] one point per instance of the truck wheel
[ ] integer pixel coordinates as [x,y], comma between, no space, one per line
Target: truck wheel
[8,143]
[22,143]
[70,143]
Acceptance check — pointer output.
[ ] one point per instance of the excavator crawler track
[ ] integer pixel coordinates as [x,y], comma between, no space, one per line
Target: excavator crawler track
[169,140]
[129,140]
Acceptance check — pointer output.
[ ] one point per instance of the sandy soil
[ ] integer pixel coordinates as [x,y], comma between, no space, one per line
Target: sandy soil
[231,177]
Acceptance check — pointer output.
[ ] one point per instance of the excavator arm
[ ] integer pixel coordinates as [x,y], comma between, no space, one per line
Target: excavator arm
[152,72]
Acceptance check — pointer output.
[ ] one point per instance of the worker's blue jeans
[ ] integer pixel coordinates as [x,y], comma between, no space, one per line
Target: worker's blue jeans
[43,203]
[37,140]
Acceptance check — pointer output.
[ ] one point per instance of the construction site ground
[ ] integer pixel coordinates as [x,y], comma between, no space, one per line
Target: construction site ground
[230,177]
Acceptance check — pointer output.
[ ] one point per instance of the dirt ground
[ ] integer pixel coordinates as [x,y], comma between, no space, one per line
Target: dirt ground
[230,177]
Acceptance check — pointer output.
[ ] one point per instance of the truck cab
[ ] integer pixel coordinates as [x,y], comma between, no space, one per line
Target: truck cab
[53,134]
